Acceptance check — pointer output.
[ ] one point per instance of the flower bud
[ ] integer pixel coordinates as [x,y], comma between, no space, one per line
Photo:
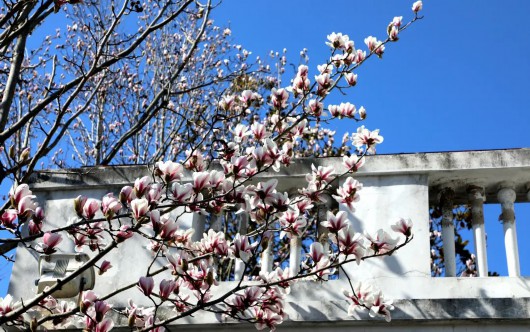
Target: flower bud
[209,277]
[79,202]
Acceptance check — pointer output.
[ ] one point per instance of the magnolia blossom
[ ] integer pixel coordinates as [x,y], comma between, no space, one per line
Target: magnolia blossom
[324,83]
[16,194]
[361,296]
[9,217]
[50,241]
[169,171]
[110,205]
[335,223]
[241,132]
[241,247]
[353,163]
[380,307]
[375,46]
[337,40]
[351,78]
[366,137]
[90,207]
[7,305]
[321,174]
[146,285]
[104,267]
[417,6]
[127,195]
[403,226]
[139,207]
[350,243]
[347,193]
[279,98]
[124,233]
[141,185]
[201,180]
[166,288]
[181,193]
[178,262]
[292,223]
[154,193]
[381,242]
[315,107]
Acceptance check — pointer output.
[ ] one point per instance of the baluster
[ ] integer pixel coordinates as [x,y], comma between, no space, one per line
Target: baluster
[216,222]
[506,196]
[198,223]
[448,231]
[239,266]
[294,255]
[476,199]
[266,255]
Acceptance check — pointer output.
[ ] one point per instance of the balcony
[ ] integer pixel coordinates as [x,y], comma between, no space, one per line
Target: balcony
[401,185]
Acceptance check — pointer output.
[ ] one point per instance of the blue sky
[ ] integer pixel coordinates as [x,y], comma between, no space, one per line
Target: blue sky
[456,80]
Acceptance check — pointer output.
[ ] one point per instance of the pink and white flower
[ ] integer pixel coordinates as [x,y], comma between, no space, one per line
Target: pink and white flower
[90,207]
[146,285]
[104,267]
[169,171]
[403,226]
[335,223]
[139,207]
[375,46]
[49,242]
[110,205]
[350,243]
[141,185]
[351,78]
[166,288]
[8,218]
[417,6]
[279,98]
[241,247]
[381,243]
[365,137]
[347,193]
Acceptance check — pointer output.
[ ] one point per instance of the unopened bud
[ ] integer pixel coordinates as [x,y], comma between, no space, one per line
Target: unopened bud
[79,202]
[33,325]
[209,277]
[24,155]
[265,243]
[362,113]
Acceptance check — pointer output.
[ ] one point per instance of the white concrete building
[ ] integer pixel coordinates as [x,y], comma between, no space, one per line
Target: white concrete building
[400,185]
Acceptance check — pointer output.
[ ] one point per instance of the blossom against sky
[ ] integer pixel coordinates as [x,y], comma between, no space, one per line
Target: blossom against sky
[456,80]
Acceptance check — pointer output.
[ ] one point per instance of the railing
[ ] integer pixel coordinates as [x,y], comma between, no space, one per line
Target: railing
[402,185]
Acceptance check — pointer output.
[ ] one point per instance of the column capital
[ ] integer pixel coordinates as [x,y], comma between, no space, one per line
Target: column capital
[476,193]
[506,193]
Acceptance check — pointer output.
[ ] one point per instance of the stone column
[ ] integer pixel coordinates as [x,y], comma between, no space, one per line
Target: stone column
[448,231]
[476,200]
[239,266]
[266,255]
[295,255]
[506,196]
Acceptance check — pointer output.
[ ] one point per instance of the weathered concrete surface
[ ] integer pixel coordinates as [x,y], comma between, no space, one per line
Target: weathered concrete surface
[394,186]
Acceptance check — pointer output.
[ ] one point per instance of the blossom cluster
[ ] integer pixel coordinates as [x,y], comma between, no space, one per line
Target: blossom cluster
[224,174]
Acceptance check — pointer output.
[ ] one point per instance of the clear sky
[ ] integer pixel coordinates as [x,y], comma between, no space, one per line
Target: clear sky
[456,80]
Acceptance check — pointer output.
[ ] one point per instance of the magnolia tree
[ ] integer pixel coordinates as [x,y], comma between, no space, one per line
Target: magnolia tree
[159,83]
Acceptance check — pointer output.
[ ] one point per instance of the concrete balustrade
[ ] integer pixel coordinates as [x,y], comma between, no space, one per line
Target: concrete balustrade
[506,197]
[476,202]
[395,186]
